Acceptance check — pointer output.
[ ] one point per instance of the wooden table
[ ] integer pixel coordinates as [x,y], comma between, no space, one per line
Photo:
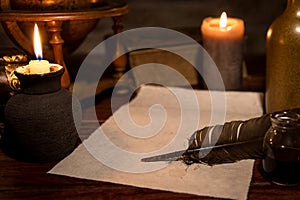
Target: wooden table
[20,180]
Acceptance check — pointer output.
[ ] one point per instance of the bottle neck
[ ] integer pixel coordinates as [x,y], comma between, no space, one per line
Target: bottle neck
[285,120]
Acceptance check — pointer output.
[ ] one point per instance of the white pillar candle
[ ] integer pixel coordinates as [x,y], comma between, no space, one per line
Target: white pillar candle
[38,66]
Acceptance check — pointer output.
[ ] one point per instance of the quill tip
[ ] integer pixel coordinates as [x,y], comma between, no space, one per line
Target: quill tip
[174,156]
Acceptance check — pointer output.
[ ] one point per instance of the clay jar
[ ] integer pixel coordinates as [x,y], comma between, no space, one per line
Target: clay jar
[41,121]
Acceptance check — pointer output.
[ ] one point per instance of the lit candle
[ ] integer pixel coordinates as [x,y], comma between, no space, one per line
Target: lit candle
[223,39]
[38,66]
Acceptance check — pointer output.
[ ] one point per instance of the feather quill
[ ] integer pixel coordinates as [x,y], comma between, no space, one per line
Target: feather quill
[229,143]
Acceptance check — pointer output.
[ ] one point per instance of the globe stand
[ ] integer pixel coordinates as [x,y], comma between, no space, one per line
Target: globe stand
[54,20]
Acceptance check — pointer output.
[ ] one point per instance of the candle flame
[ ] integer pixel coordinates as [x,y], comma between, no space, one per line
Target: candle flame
[223,21]
[37,44]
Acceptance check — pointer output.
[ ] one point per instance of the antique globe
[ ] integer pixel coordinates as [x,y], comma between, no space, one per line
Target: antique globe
[73,32]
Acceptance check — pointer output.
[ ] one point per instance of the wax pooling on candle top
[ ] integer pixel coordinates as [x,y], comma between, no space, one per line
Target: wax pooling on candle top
[223,28]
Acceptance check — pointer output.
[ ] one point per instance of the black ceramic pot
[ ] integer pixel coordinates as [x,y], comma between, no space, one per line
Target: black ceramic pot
[40,121]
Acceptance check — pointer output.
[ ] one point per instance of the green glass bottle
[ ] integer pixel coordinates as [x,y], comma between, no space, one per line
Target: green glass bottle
[283,60]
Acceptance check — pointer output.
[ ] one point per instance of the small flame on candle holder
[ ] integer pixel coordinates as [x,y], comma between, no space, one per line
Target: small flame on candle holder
[223,21]
[37,44]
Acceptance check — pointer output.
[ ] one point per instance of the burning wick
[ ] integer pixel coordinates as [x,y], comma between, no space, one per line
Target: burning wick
[223,24]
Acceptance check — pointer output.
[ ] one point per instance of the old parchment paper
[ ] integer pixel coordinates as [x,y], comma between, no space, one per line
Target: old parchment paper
[161,120]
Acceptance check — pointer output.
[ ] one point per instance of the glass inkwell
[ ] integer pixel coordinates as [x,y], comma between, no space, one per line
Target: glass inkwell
[281,165]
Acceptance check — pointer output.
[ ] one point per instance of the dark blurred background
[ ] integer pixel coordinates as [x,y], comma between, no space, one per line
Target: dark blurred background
[188,14]
[185,16]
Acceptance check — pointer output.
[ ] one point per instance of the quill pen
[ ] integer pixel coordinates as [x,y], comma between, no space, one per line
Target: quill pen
[245,137]
[181,155]
[225,143]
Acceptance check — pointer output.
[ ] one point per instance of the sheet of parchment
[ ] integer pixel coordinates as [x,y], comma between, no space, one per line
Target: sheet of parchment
[161,120]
